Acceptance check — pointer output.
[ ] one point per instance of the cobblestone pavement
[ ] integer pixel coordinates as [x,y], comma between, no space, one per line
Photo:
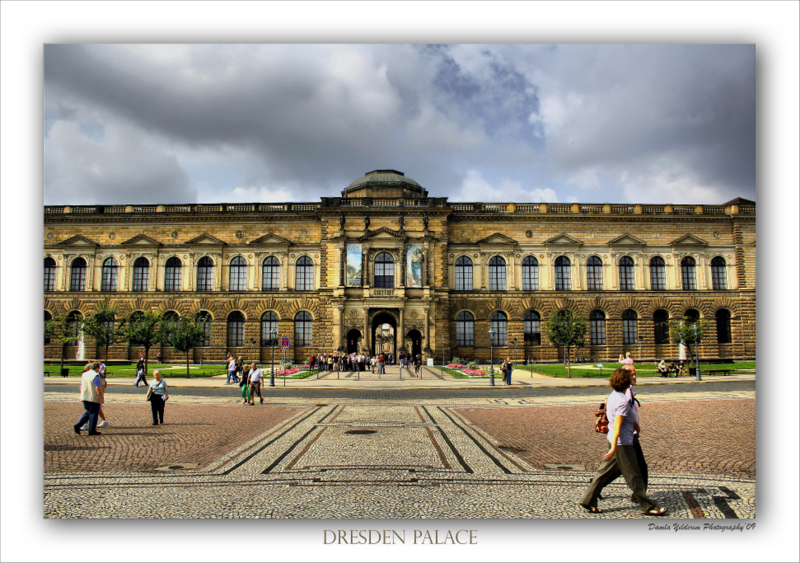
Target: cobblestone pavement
[527,457]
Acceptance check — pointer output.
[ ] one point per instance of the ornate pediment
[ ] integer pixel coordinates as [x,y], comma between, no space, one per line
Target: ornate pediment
[205,239]
[626,240]
[78,240]
[688,241]
[383,233]
[270,239]
[498,238]
[141,240]
[563,240]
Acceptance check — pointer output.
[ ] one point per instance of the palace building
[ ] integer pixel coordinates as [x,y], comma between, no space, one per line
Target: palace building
[387,267]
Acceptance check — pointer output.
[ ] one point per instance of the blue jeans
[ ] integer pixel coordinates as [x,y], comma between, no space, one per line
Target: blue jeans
[90,416]
[381,368]
[232,374]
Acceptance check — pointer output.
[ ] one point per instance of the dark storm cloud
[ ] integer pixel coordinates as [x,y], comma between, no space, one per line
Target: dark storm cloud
[299,122]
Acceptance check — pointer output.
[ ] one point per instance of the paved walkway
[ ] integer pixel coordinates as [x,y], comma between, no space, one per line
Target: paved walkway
[396,378]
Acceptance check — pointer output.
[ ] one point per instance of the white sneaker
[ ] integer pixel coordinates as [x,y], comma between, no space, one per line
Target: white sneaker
[103,424]
[85,426]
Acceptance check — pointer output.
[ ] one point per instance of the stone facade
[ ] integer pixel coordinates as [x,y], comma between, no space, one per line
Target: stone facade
[388,215]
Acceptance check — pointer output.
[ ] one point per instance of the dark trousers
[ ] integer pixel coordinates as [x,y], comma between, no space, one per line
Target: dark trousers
[255,388]
[637,447]
[90,416]
[157,406]
[623,463]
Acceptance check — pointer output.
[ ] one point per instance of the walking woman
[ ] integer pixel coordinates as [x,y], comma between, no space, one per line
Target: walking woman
[621,456]
[158,397]
[140,373]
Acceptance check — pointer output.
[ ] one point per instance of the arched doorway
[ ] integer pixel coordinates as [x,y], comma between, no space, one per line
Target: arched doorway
[416,342]
[353,341]
[384,334]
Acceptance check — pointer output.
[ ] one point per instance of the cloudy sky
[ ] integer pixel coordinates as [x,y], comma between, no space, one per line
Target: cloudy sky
[248,123]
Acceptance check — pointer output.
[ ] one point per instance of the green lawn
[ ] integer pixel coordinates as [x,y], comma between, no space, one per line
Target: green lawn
[643,370]
[170,370]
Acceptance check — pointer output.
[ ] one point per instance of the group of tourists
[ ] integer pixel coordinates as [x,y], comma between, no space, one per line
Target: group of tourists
[671,370]
[359,362]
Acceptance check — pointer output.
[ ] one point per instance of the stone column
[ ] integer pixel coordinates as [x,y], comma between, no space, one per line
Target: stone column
[343,264]
[340,317]
[576,270]
[284,257]
[401,325]
[367,334]
[426,337]
[403,254]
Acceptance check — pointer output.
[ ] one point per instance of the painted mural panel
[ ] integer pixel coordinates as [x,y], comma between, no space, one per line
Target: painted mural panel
[354,261]
[414,261]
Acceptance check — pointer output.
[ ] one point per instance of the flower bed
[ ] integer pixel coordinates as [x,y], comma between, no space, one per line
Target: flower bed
[473,372]
[455,366]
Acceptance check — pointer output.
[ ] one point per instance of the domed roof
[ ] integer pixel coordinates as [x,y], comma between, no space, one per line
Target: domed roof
[384,179]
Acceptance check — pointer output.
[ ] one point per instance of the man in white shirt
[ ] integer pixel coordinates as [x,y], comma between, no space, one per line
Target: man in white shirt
[255,376]
[92,397]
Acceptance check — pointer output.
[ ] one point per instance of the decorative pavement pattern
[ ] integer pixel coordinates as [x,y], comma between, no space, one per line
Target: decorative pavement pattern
[446,458]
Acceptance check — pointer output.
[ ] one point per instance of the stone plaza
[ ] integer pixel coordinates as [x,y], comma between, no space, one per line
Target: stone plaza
[396,448]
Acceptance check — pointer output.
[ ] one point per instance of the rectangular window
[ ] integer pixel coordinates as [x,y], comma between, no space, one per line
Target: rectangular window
[630,332]
[463,278]
[597,332]
[658,278]
[465,333]
[140,278]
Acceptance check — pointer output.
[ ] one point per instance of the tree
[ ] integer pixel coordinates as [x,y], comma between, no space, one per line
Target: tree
[144,329]
[567,330]
[100,325]
[689,332]
[184,335]
[64,329]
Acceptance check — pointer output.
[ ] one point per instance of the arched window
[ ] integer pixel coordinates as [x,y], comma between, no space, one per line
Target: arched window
[172,274]
[688,274]
[630,327]
[532,328]
[304,274]
[110,275]
[661,329]
[723,326]
[627,281]
[269,323]
[530,273]
[47,318]
[594,274]
[271,274]
[77,278]
[693,315]
[384,270]
[237,280]
[499,324]
[658,274]
[497,274]
[203,318]
[597,328]
[719,273]
[205,274]
[463,274]
[49,274]
[465,329]
[235,329]
[563,274]
[74,322]
[141,274]
[302,329]
[170,320]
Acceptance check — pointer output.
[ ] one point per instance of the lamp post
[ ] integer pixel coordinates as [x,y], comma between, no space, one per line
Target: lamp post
[491,356]
[696,354]
[442,351]
[318,356]
[273,332]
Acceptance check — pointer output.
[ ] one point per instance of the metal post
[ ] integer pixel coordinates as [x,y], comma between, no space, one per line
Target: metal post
[491,356]
[696,354]
[442,351]
[515,351]
[323,351]
[274,334]
[284,367]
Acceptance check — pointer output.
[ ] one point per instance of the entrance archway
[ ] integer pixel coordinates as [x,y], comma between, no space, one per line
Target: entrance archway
[353,341]
[384,334]
[416,342]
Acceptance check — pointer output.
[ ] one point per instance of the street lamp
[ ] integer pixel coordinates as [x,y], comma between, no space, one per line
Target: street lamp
[515,351]
[696,354]
[318,356]
[442,351]
[491,356]
[273,332]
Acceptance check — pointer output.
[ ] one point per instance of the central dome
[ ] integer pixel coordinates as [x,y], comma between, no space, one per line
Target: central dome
[384,183]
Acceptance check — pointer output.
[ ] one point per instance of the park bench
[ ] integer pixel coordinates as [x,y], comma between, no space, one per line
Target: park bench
[718,372]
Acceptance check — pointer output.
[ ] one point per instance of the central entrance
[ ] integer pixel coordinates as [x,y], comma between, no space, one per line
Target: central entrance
[383,333]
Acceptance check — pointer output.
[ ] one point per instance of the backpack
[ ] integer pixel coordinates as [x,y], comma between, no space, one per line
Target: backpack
[601,421]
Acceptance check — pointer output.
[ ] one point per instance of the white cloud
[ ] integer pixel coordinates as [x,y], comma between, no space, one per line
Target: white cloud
[476,188]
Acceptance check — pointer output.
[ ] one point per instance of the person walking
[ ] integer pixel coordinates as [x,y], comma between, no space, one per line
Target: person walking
[231,371]
[91,393]
[621,456]
[255,376]
[159,393]
[637,446]
[381,365]
[243,383]
[140,373]
[101,415]
[417,365]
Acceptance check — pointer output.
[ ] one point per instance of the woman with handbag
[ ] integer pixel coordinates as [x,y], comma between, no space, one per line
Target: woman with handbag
[244,383]
[157,394]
